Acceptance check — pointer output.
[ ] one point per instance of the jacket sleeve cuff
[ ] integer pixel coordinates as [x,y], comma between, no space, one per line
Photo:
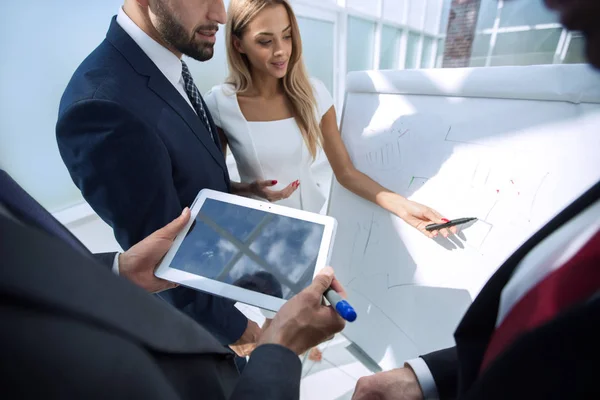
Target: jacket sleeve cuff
[425,378]
[443,365]
[115,265]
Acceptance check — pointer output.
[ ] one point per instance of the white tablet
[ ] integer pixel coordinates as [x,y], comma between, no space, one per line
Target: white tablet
[247,250]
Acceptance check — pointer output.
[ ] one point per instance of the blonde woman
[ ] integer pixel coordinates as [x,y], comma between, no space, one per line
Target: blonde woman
[274,118]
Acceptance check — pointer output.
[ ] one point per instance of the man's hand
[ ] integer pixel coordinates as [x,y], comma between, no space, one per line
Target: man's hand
[139,262]
[304,322]
[247,342]
[397,384]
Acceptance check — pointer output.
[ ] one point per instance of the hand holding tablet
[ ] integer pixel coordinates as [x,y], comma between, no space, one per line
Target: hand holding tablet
[263,254]
[247,250]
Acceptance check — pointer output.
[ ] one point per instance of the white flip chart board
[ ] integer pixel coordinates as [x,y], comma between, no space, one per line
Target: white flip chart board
[511,146]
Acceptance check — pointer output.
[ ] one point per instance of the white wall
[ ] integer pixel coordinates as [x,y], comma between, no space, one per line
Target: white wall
[42,42]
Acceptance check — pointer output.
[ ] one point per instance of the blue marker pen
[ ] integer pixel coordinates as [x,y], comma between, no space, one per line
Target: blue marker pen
[341,306]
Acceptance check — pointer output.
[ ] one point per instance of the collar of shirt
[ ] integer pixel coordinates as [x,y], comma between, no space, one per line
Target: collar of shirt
[168,63]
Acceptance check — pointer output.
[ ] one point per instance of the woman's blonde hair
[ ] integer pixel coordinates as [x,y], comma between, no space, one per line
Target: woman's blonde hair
[296,84]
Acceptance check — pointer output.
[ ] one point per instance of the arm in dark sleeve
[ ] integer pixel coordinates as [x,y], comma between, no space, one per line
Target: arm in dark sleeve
[273,372]
[124,172]
[106,259]
[443,365]
[121,167]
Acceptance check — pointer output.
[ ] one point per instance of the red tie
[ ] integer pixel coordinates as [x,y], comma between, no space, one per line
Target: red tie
[575,281]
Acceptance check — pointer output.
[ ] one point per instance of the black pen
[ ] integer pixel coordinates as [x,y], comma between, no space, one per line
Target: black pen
[459,221]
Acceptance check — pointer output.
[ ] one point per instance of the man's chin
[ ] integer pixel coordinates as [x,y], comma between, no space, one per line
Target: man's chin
[204,54]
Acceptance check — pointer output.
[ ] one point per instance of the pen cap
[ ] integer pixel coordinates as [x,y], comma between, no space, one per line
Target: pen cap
[346,310]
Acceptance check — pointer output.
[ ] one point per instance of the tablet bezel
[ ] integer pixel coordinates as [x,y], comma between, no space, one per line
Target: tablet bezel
[204,284]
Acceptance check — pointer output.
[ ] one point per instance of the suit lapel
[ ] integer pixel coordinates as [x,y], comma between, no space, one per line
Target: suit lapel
[218,142]
[43,271]
[163,88]
[160,85]
[474,331]
[213,127]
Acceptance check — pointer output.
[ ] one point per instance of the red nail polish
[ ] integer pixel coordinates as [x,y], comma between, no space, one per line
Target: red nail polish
[445,220]
[274,182]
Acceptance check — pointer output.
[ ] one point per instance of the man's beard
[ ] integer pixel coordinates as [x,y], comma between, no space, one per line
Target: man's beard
[172,32]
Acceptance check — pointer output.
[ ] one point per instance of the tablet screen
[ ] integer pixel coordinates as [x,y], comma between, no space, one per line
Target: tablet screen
[267,253]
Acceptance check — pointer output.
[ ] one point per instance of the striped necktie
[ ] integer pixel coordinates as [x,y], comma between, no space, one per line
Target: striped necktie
[195,97]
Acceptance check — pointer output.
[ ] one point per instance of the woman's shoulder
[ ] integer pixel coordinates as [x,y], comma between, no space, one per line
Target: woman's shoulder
[220,99]
[223,89]
[317,84]
[322,95]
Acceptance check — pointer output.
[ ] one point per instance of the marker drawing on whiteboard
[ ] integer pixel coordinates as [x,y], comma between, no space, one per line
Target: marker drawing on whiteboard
[369,235]
[354,260]
[491,209]
[372,303]
[535,195]
[447,134]
[384,157]
[416,181]
[474,175]
[403,133]
[446,139]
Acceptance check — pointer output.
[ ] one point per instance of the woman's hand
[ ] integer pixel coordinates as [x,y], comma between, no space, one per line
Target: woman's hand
[261,189]
[419,216]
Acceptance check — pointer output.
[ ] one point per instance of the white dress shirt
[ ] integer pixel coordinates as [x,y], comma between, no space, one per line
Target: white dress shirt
[552,253]
[168,63]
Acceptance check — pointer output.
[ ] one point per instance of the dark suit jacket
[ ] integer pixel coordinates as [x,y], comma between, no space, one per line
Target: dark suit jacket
[139,154]
[72,329]
[558,360]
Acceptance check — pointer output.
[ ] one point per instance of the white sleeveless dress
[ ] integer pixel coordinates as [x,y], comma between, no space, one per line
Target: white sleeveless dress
[272,149]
